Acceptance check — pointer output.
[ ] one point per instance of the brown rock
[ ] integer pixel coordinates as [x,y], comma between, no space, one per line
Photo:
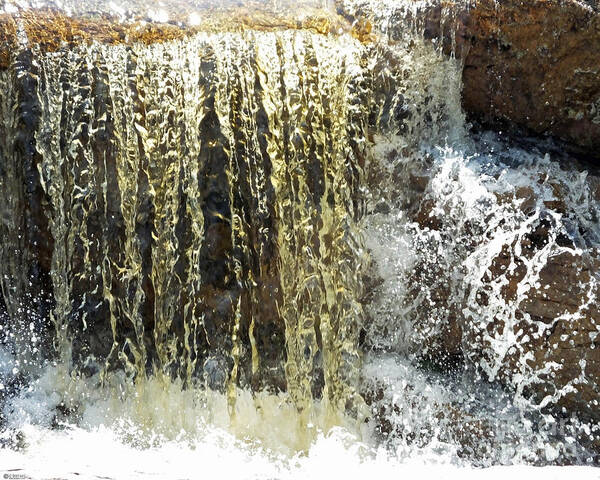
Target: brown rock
[555,320]
[536,65]
[530,66]
[558,326]
[51,29]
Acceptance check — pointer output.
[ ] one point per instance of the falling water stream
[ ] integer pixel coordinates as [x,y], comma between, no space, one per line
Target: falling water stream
[247,253]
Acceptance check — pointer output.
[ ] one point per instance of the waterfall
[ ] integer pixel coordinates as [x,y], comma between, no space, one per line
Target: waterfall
[276,236]
[201,197]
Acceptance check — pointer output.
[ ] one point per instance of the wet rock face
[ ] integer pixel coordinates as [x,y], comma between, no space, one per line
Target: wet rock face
[536,65]
[556,329]
[515,291]
[23,225]
[149,239]
[527,66]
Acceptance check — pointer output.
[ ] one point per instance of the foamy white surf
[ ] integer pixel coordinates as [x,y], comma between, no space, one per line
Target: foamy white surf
[99,453]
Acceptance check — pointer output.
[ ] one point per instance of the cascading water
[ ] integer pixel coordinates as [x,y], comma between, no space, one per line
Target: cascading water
[266,252]
[133,208]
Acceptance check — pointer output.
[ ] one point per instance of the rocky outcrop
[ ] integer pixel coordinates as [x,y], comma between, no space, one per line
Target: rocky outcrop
[528,67]
[530,315]
[134,248]
[516,290]
[535,65]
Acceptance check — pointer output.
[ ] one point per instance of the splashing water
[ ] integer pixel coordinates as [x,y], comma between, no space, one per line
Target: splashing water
[278,255]
[466,299]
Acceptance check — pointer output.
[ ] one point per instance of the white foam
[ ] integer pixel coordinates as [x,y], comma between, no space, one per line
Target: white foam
[99,453]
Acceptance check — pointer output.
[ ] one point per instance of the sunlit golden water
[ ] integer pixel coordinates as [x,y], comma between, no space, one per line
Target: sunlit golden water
[201,205]
[135,142]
